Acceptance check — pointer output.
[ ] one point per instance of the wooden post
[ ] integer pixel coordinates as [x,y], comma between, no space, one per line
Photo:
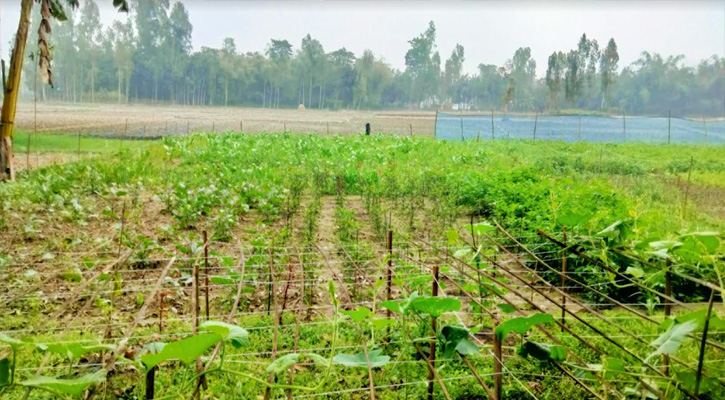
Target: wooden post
[269,282]
[187,127]
[563,283]
[367,129]
[328,128]
[433,326]
[463,138]
[27,154]
[669,125]
[704,124]
[668,310]
[150,383]
[206,273]
[411,129]
[497,366]
[687,188]
[536,120]
[600,160]
[389,295]
[195,327]
[241,127]
[580,127]
[493,132]
[701,360]
[478,137]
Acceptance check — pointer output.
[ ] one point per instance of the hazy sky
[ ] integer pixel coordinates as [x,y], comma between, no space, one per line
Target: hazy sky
[489,31]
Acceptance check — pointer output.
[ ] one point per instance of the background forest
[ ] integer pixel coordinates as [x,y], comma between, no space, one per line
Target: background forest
[149,58]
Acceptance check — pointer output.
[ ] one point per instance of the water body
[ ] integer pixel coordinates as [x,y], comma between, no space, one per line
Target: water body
[593,128]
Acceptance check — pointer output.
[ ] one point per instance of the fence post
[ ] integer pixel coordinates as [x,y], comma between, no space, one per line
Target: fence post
[206,273]
[580,127]
[563,283]
[687,188]
[328,128]
[478,137]
[669,124]
[432,356]
[389,295]
[241,127]
[703,342]
[497,365]
[668,310]
[411,129]
[195,282]
[493,133]
[463,138]
[704,124]
[78,153]
[187,128]
[536,120]
[27,155]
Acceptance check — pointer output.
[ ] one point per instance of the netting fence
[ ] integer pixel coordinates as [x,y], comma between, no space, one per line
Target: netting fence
[666,129]
[126,302]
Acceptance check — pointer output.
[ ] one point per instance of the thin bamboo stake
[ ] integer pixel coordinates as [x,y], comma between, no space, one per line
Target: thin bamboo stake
[563,284]
[389,279]
[206,273]
[701,359]
[433,326]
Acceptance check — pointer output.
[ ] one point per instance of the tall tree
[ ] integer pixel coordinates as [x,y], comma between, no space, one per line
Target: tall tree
[608,69]
[422,65]
[453,72]
[554,75]
[89,38]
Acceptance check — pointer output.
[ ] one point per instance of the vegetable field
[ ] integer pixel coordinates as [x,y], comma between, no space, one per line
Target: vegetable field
[265,266]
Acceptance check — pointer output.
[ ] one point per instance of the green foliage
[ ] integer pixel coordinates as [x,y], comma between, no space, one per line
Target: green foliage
[358,360]
[66,387]
[185,350]
[236,335]
[542,352]
[521,325]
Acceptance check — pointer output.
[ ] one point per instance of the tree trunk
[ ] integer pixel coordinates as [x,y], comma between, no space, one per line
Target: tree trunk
[309,97]
[12,88]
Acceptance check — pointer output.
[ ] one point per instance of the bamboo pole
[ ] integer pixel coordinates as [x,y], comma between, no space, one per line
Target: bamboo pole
[497,367]
[703,342]
[389,295]
[206,273]
[433,326]
[536,120]
[563,284]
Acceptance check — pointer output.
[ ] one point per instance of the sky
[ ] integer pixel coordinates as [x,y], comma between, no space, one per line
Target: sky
[490,32]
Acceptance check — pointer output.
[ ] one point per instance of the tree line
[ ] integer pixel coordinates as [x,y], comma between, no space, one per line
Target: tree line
[149,58]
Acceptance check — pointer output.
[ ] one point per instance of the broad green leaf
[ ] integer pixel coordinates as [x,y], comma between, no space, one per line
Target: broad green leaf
[392,305]
[68,387]
[221,280]
[610,230]
[185,350]
[435,306]
[236,335]
[521,325]
[689,378]
[358,315]
[463,253]
[382,322]
[670,341]
[635,272]
[710,240]
[333,296]
[12,342]
[571,219]
[452,236]
[4,372]
[698,316]
[543,352]
[152,347]
[75,350]
[612,367]
[506,308]
[72,275]
[665,244]
[357,360]
[317,359]
[456,339]
[481,228]
[283,363]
